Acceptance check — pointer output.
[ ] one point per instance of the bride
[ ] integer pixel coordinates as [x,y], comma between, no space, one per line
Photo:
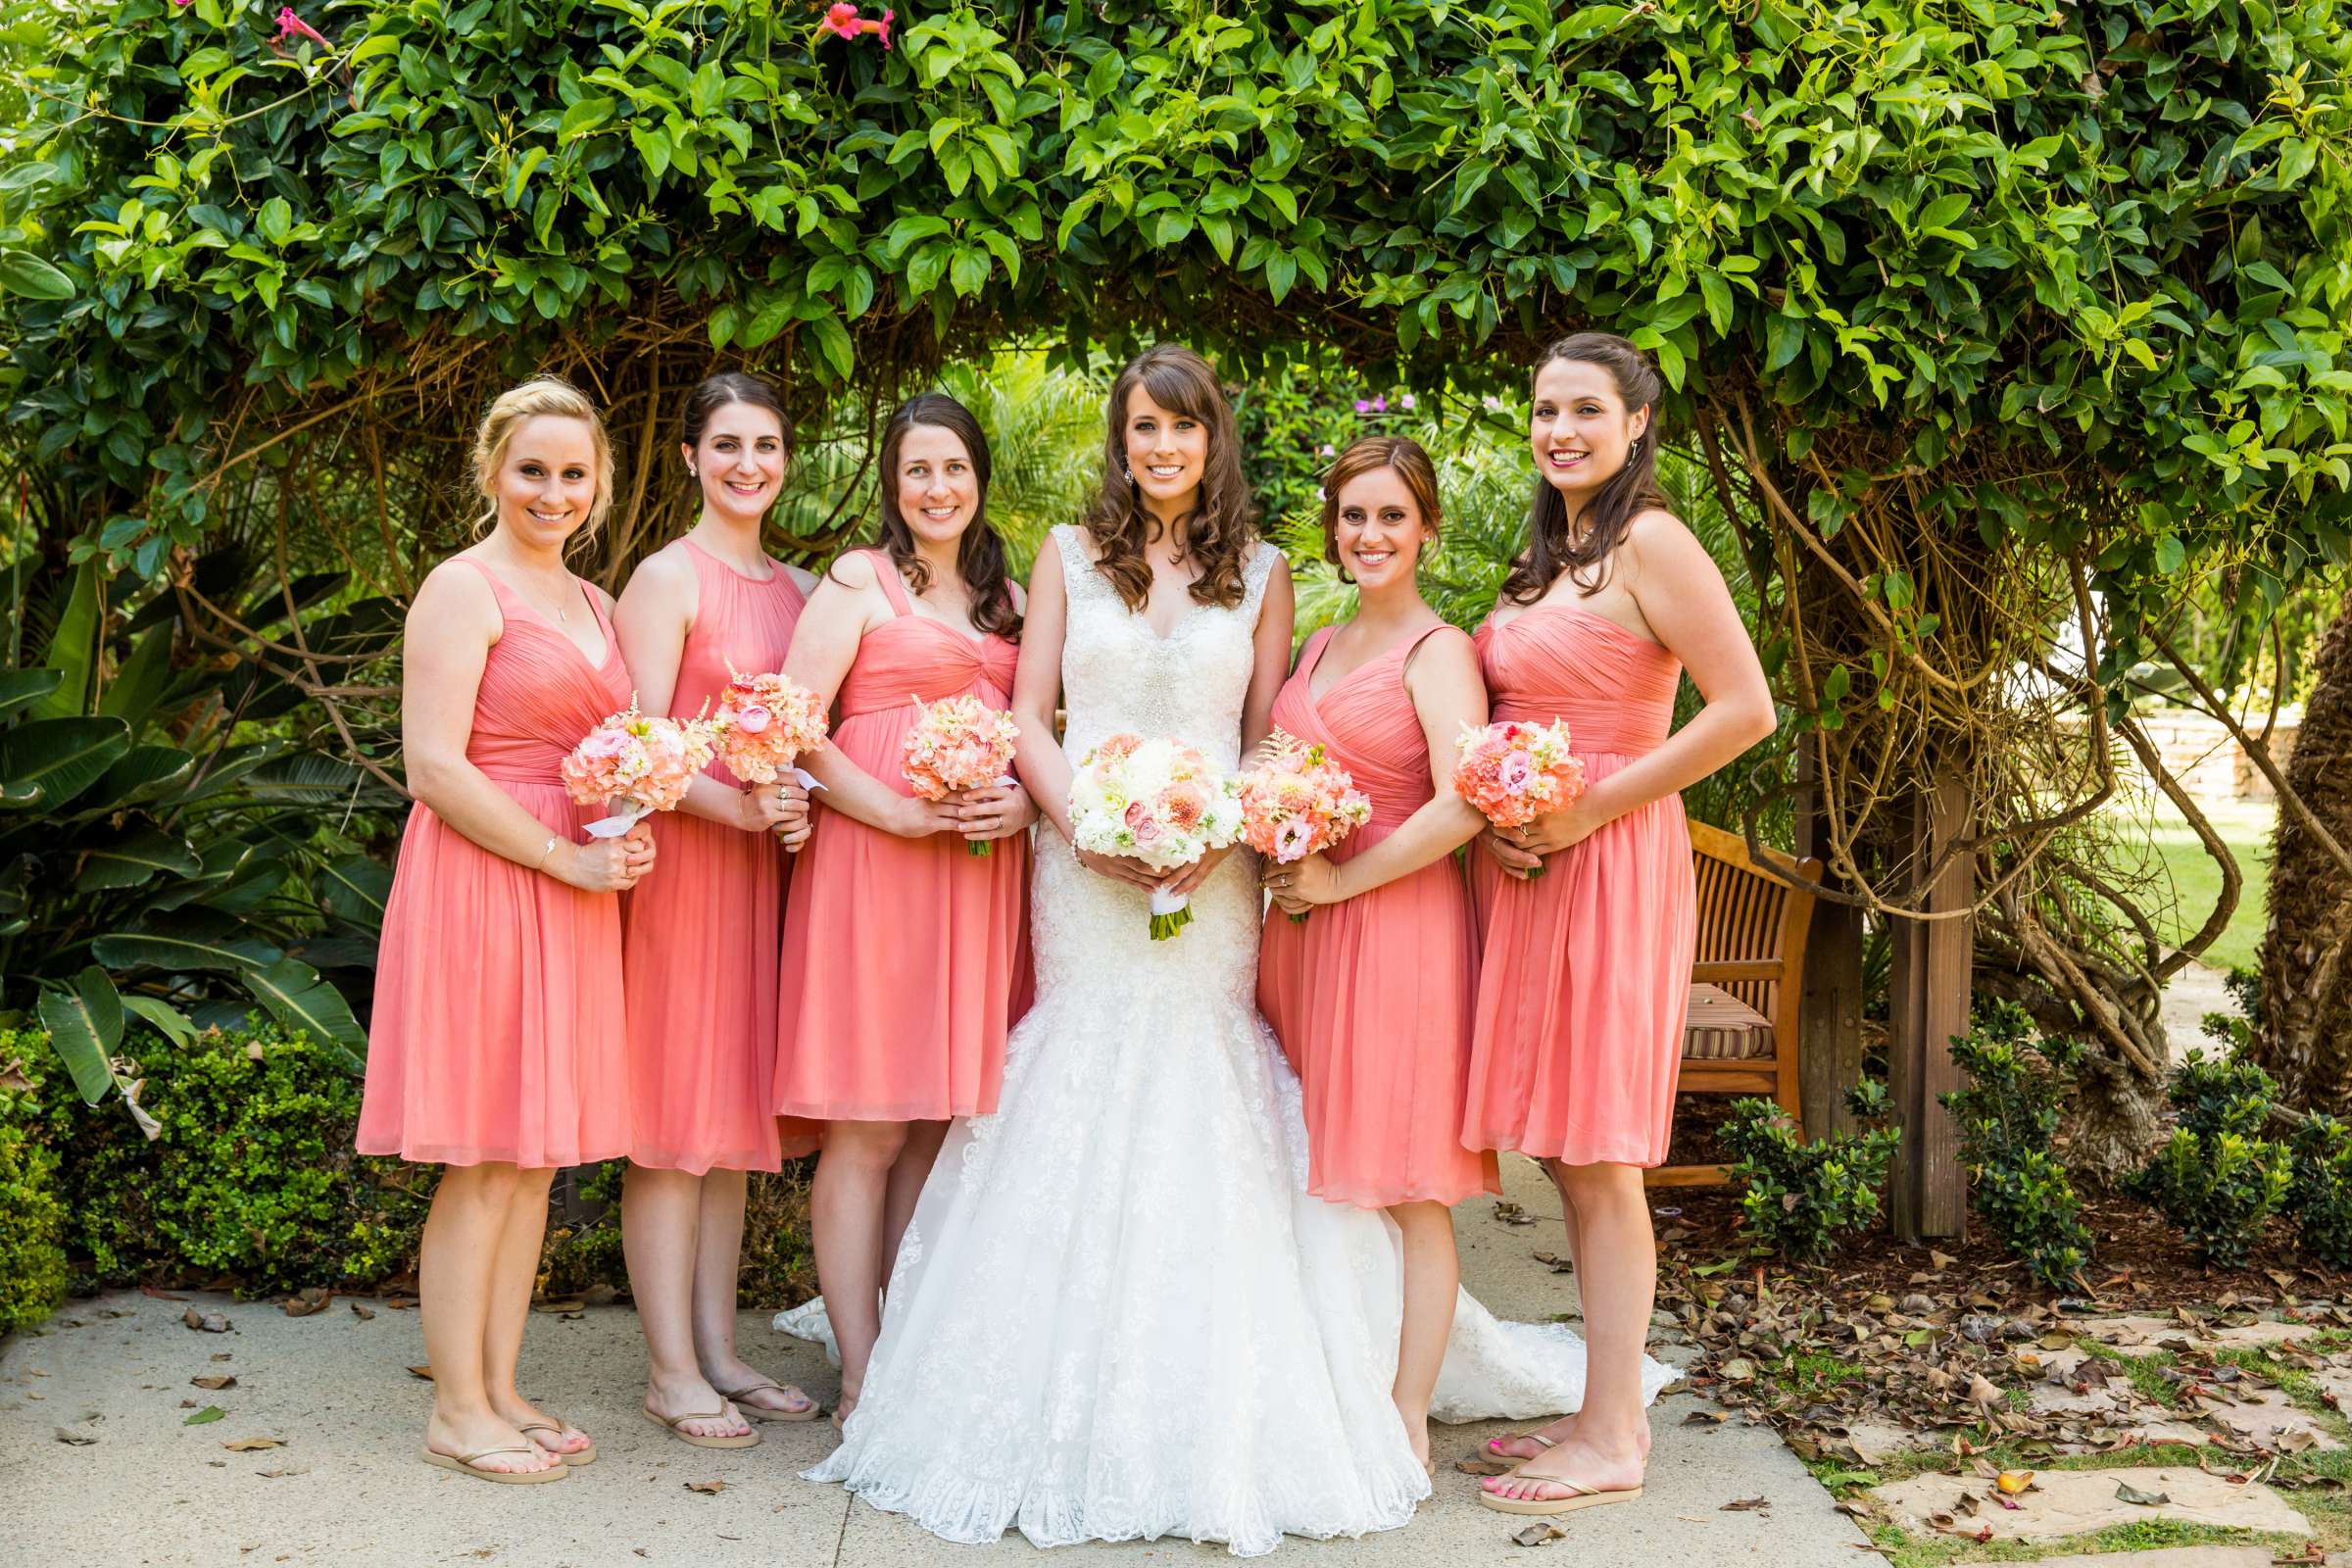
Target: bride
[1117,1313]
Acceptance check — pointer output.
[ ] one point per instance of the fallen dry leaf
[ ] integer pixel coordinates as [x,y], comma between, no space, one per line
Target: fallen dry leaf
[73,1439]
[425,1372]
[708,1488]
[204,1322]
[1479,1465]
[1537,1534]
[218,1381]
[160,1296]
[315,1298]
[2013,1481]
[253,1444]
[1745,1505]
[363,1313]
[276,1475]
[2126,1492]
[1706,1418]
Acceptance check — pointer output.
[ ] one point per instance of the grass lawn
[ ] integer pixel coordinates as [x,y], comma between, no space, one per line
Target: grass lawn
[2197,882]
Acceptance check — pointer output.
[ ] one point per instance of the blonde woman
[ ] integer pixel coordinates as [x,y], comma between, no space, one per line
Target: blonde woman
[499,1049]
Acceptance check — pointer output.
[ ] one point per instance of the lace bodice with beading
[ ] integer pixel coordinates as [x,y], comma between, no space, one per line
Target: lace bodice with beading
[1119,674]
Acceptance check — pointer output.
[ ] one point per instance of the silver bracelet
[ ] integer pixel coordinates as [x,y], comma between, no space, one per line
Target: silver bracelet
[552,839]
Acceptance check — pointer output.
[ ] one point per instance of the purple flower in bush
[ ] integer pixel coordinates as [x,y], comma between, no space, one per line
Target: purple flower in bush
[1363,405]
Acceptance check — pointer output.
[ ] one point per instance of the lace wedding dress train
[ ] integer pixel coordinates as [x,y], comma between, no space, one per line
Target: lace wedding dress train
[1117,1313]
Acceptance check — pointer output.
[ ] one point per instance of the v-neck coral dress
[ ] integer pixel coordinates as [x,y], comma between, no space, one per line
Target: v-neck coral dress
[1584,971]
[500,1031]
[1371,997]
[700,935]
[905,960]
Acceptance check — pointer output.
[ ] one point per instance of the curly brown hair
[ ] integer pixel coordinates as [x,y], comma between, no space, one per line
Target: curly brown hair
[1581,546]
[1223,520]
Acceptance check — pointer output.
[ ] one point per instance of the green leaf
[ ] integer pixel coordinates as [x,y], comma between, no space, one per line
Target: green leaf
[85,1026]
[23,272]
[73,648]
[301,1000]
[133,859]
[355,890]
[204,1417]
[57,757]
[180,953]
[141,774]
[173,1023]
[2170,554]
[833,342]
[583,117]
[21,688]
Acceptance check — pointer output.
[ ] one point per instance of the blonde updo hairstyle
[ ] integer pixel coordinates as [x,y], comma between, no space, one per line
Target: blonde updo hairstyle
[541,396]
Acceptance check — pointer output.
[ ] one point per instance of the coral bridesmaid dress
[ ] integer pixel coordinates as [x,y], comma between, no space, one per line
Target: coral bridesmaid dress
[1584,971]
[700,935]
[499,1025]
[1371,998]
[904,960]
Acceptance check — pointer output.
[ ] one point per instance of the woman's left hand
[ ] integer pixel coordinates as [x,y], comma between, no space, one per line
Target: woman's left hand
[1303,884]
[994,811]
[1186,882]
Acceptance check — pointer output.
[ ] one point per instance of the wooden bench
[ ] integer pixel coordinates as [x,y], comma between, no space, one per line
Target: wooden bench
[1747,984]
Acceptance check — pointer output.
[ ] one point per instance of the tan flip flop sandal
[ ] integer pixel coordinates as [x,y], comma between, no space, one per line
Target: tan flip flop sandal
[669,1424]
[557,1425]
[470,1464]
[761,1412]
[1537,1437]
[1578,1497]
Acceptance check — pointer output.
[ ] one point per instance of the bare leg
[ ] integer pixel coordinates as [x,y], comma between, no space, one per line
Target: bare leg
[516,1270]
[847,1204]
[718,1255]
[1617,1284]
[907,1178]
[457,1276]
[1432,1276]
[1528,1446]
[660,1222]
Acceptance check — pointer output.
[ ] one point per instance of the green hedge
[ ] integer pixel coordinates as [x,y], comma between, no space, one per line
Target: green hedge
[251,1183]
[33,1217]
[250,1177]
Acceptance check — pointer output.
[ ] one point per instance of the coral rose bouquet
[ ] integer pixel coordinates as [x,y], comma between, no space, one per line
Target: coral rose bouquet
[1513,771]
[958,743]
[637,765]
[1297,802]
[764,724]
[1159,802]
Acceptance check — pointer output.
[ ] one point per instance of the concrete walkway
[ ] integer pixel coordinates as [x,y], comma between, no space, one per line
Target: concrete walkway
[346,1487]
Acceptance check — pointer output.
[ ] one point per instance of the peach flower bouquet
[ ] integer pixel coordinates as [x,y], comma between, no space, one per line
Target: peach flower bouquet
[1514,771]
[636,765]
[1298,802]
[958,743]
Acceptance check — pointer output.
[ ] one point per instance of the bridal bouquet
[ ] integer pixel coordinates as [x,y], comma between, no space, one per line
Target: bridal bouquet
[959,743]
[1297,802]
[764,722]
[637,764]
[1159,802]
[1513,771]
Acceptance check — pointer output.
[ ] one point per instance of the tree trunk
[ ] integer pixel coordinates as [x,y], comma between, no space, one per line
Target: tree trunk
[2116,1121]
[2305,1035]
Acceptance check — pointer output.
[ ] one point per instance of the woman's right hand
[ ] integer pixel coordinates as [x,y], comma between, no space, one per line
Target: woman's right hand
[604,866]
[1121,868]
[914,817]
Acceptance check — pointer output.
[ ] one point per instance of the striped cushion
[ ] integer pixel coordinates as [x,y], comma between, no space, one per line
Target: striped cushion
[1723,1028]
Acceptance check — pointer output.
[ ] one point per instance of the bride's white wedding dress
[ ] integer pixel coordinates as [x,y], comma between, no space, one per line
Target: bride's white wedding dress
[1117,1313]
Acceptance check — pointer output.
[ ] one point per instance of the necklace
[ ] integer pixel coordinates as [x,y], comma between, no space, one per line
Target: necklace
[561,614]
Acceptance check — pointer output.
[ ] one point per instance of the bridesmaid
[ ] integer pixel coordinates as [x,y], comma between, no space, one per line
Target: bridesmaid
[1585,971]
[1371,999]
[499,1048]
[906,957]
[700,940]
